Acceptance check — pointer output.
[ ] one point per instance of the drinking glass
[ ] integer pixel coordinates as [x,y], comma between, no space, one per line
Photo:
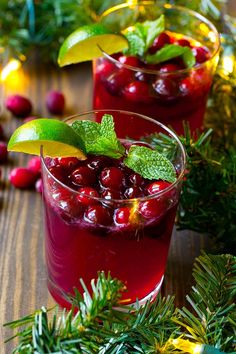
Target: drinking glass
[170,97]
[135,251]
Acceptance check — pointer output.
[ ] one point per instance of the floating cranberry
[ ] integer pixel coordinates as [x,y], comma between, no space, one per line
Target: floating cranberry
[86,195]
[117,81]
[201,54]
[159,42]
[34,164]
[151,208]
[98,215]
[138,91]
[55,102]
[83,176]
[122,216]
[68,162]
[111,194]
[18,105]
[67,202]
[97,163]
[39,185]
[141,76]
[165,88]
[157,186]
[132,192]
[112,177]
[58,172]
[187,86]
[104,69]
[131,61]
[136,180]
[168,68]
[3,152]
[21,177]
[183,42]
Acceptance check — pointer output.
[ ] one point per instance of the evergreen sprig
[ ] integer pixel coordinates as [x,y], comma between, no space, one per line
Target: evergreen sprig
[102,326]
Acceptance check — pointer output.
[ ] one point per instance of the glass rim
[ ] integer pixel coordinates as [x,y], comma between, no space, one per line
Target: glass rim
[167,6]
[131,200]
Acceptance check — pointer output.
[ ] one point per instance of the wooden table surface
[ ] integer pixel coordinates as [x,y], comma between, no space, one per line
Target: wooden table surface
[22,270]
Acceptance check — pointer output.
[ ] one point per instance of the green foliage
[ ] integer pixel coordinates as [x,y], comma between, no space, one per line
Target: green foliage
[102,326]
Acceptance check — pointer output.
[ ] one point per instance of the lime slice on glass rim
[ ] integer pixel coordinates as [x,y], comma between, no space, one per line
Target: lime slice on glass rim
[86,43]
[56,137]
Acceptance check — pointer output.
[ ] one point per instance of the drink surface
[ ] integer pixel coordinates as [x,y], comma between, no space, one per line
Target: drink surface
[96,225]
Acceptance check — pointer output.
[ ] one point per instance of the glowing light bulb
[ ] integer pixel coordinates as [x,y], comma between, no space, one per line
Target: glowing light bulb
[187,347]
[228,63]
[12,66]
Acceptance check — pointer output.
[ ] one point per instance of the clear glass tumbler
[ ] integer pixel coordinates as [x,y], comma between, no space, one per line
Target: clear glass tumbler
[170,95]
[135,250]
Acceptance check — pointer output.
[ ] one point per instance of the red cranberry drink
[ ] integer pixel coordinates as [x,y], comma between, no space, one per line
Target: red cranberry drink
[166,72]
[113,211]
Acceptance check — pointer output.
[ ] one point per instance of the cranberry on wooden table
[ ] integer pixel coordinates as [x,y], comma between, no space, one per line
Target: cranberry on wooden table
[55,102]
[22,177]
[19,105]
[3,152]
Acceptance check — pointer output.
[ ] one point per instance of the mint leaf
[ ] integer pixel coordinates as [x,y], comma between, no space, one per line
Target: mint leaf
[150,164]
[136,43]
[154,28]
[99,139]
[171,51]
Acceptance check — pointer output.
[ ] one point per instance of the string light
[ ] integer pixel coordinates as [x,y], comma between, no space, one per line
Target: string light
[194,348]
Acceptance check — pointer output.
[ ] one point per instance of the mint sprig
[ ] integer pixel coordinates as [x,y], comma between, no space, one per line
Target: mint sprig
[150,164]
[170,51]
[100,139]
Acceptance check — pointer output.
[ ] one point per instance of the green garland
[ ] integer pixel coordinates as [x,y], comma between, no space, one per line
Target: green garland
[102,326]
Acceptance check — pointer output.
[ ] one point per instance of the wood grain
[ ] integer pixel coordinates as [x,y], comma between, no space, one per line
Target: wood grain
[22,273]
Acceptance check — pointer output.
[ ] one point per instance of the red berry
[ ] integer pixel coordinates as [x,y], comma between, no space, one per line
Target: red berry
[83,176]
[86,195]
[112,177]
[136,180]
[157,186]
[55,102]
[1,132]
[58,172]
[138,91]
[132,192]
[34,164]
[168,68]
[104,69]
[131,61]
[183,42]
[21,177]
[122,216]
[110,194]
[98,215]
[18,105]
[66,201]
[201,54]
[99,162]
[151,208]
[3,152]
[117,81]
[159,42]
[39,185]
[165,88]
[68,162]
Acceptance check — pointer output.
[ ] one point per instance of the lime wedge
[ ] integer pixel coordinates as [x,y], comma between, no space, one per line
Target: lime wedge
[85,43]
[56,137]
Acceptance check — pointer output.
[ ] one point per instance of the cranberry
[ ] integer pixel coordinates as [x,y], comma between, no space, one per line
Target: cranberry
[157,186]
[3,152]
[58,172]
[122,216]
[187,86]
[97,163]
[136,180]
[110,194]
[141,76]
[183,42]
[165,89]
[168,68]
[104,69]
[131,61]
[55,102]
[68,162]
[201,54]
[132,192]
[98,214]
[34,165]
[83,176]
[117,81]
[39,185]
[138,91]
[151,208]
[159,42]
[21,177]
[1,132]
[86,195]
[112,177]
[28,119]
[66,201]
[18,105]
